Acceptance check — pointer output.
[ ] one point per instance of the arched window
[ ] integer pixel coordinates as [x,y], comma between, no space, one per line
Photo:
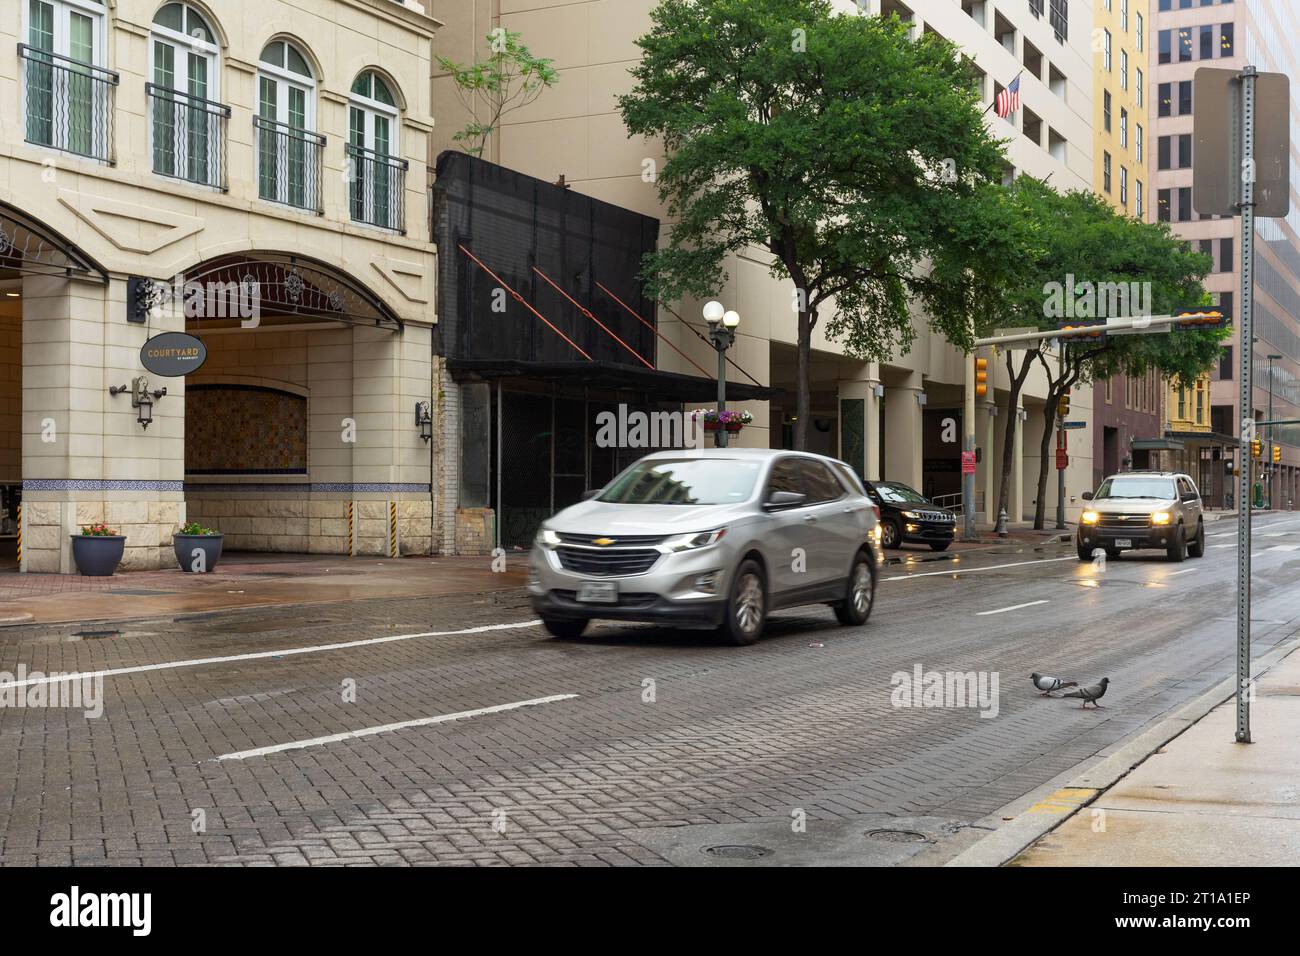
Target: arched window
[288,151]
[188,122]
[68,92]
[378,177]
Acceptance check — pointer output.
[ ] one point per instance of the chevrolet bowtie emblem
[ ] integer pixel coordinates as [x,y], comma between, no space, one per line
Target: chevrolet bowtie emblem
[603,542]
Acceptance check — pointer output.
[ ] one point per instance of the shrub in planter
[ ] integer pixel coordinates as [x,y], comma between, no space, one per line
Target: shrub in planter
[98,550]
[197,548]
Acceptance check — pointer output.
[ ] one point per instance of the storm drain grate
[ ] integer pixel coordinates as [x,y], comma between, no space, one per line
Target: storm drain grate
[898,836]
[733,851]
[95,635]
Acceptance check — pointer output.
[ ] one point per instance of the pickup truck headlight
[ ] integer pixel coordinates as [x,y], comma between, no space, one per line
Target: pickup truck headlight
[546,538]
[1160,517]
[690,542]
[1089,517]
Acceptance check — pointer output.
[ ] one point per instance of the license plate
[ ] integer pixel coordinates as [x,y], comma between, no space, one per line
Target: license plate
[1123,542]
[598,592]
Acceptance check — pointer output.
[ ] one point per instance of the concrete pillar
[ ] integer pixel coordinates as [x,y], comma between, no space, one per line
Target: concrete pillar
[903,423]
[859,415]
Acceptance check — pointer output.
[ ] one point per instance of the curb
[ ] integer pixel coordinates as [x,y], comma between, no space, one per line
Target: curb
[1041,811]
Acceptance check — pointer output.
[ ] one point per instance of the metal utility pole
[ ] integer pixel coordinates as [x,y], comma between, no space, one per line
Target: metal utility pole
[1060,476]
[722,334]
[1272,466]
[1247,412]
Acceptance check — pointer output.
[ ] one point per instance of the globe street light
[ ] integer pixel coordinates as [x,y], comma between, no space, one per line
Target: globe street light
[722,333]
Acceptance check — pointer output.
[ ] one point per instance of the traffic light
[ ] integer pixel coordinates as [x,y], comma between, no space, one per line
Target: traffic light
[1063,406]
[1200,320]
[1277,454]
[1256,448]
[981,377]
[1100,332]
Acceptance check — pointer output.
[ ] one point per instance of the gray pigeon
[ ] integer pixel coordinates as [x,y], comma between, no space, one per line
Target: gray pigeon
[1048,684]
[1093,692]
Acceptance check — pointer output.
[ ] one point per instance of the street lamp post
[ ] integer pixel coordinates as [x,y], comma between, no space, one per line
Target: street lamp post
[1270,466]
[722,333]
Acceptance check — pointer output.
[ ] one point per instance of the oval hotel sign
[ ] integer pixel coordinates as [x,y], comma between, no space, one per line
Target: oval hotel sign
[173,354]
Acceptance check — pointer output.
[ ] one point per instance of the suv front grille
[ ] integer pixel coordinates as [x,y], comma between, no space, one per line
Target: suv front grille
[940,517]
[607,562]
[569,537]
[1123,522]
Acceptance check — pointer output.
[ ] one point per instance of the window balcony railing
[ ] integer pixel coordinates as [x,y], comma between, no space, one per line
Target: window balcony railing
[377,188]
[189,136]
[289,164]
[69,103]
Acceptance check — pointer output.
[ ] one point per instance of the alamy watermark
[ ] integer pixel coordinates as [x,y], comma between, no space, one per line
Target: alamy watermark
[638,429]
[21,690]
[1072,299]
[922,688]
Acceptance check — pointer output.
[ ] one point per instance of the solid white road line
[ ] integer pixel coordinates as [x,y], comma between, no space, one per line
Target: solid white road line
[995,567]
[1174,574]
[1014,607]
[386,728]
[1285,547]
[287,652]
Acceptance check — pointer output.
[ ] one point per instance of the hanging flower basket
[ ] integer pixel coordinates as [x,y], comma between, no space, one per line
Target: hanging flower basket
[730,421]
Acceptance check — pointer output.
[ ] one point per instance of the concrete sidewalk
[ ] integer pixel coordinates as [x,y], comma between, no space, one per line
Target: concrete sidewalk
[1202,799]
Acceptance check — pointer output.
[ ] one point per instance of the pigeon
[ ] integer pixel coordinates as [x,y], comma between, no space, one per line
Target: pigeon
[1093,692]
[1048,684]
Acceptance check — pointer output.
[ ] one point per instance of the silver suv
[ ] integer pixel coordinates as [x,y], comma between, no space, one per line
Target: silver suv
[713,538]
[1143,509]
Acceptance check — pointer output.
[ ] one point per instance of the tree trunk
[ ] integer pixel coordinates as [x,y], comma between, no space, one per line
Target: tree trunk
[803,390]
[1044,449]
[1009,437]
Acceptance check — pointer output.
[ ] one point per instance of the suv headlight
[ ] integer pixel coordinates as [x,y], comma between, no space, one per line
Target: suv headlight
[546,538]
[1161,517]
[911,514]
[1089,517]
[690,542]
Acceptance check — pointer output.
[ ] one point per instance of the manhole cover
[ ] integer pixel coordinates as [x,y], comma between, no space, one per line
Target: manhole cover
[898,836]
[737,851]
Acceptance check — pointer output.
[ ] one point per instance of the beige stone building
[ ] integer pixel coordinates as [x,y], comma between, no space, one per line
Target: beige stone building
[888,419]
[272,155]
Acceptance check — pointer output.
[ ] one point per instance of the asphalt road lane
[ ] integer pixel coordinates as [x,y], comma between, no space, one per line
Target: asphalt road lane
[669,732]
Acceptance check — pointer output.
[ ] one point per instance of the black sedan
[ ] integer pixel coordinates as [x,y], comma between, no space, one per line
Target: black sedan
[907,516]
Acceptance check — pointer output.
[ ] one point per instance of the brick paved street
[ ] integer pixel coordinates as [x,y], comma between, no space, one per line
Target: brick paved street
[731,742]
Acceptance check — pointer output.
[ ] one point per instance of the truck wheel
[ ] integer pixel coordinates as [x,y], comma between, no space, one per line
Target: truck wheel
[1178,550]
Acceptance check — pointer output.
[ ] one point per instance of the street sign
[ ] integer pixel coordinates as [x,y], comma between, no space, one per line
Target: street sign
[1218,165]
[1062,459]
[1074,424]
[968,463]
[173,354]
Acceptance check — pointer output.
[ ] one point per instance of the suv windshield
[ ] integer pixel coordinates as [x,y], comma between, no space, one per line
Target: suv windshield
[687,481]
[1137,486]
[900,494]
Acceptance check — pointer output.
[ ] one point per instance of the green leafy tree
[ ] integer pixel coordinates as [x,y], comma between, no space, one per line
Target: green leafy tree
[508,79]
[1084,249]
[848,151]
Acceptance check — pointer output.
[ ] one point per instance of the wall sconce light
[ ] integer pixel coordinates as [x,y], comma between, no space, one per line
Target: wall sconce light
[878,390]
[1022,414]
[921,399]
[142,398]
[424,420]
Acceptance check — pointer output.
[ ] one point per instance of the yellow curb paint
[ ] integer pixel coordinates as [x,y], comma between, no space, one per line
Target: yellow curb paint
[1064,801]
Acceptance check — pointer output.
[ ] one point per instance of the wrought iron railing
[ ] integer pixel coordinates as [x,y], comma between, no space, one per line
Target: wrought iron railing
[189,136]
[69,103]
[289,164]
[377,188]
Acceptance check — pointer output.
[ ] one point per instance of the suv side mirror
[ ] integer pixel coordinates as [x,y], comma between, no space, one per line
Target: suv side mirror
[1087,496]
[1190,496]
[783,499]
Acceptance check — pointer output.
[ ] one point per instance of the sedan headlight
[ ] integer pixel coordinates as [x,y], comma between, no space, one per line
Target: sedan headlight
[546,538]
[1161,517]
[1089,517]
[690,542]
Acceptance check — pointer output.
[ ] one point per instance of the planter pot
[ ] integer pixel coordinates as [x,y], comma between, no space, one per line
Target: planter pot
[97,556]
[735,426]
[710,426]
[185,544]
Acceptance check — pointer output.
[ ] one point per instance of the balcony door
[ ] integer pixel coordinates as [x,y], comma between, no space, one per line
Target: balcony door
[376,181]
[185,114]
[66,41]
[286,149]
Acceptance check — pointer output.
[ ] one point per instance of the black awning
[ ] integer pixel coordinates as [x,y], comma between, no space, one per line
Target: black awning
[1211,438]
[28,246]
[666,386]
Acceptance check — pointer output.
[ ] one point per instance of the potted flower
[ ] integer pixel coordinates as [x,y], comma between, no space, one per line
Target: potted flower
[730,421]
[197,548]
[98,550]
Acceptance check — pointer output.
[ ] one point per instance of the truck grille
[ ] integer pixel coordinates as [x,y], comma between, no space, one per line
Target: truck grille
[609,562]
[1124,522]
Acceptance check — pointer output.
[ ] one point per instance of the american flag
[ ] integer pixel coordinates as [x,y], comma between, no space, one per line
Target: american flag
[1009,99]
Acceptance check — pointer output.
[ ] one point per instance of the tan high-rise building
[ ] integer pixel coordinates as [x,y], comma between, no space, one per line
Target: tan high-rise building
[267,160]
[888,419]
